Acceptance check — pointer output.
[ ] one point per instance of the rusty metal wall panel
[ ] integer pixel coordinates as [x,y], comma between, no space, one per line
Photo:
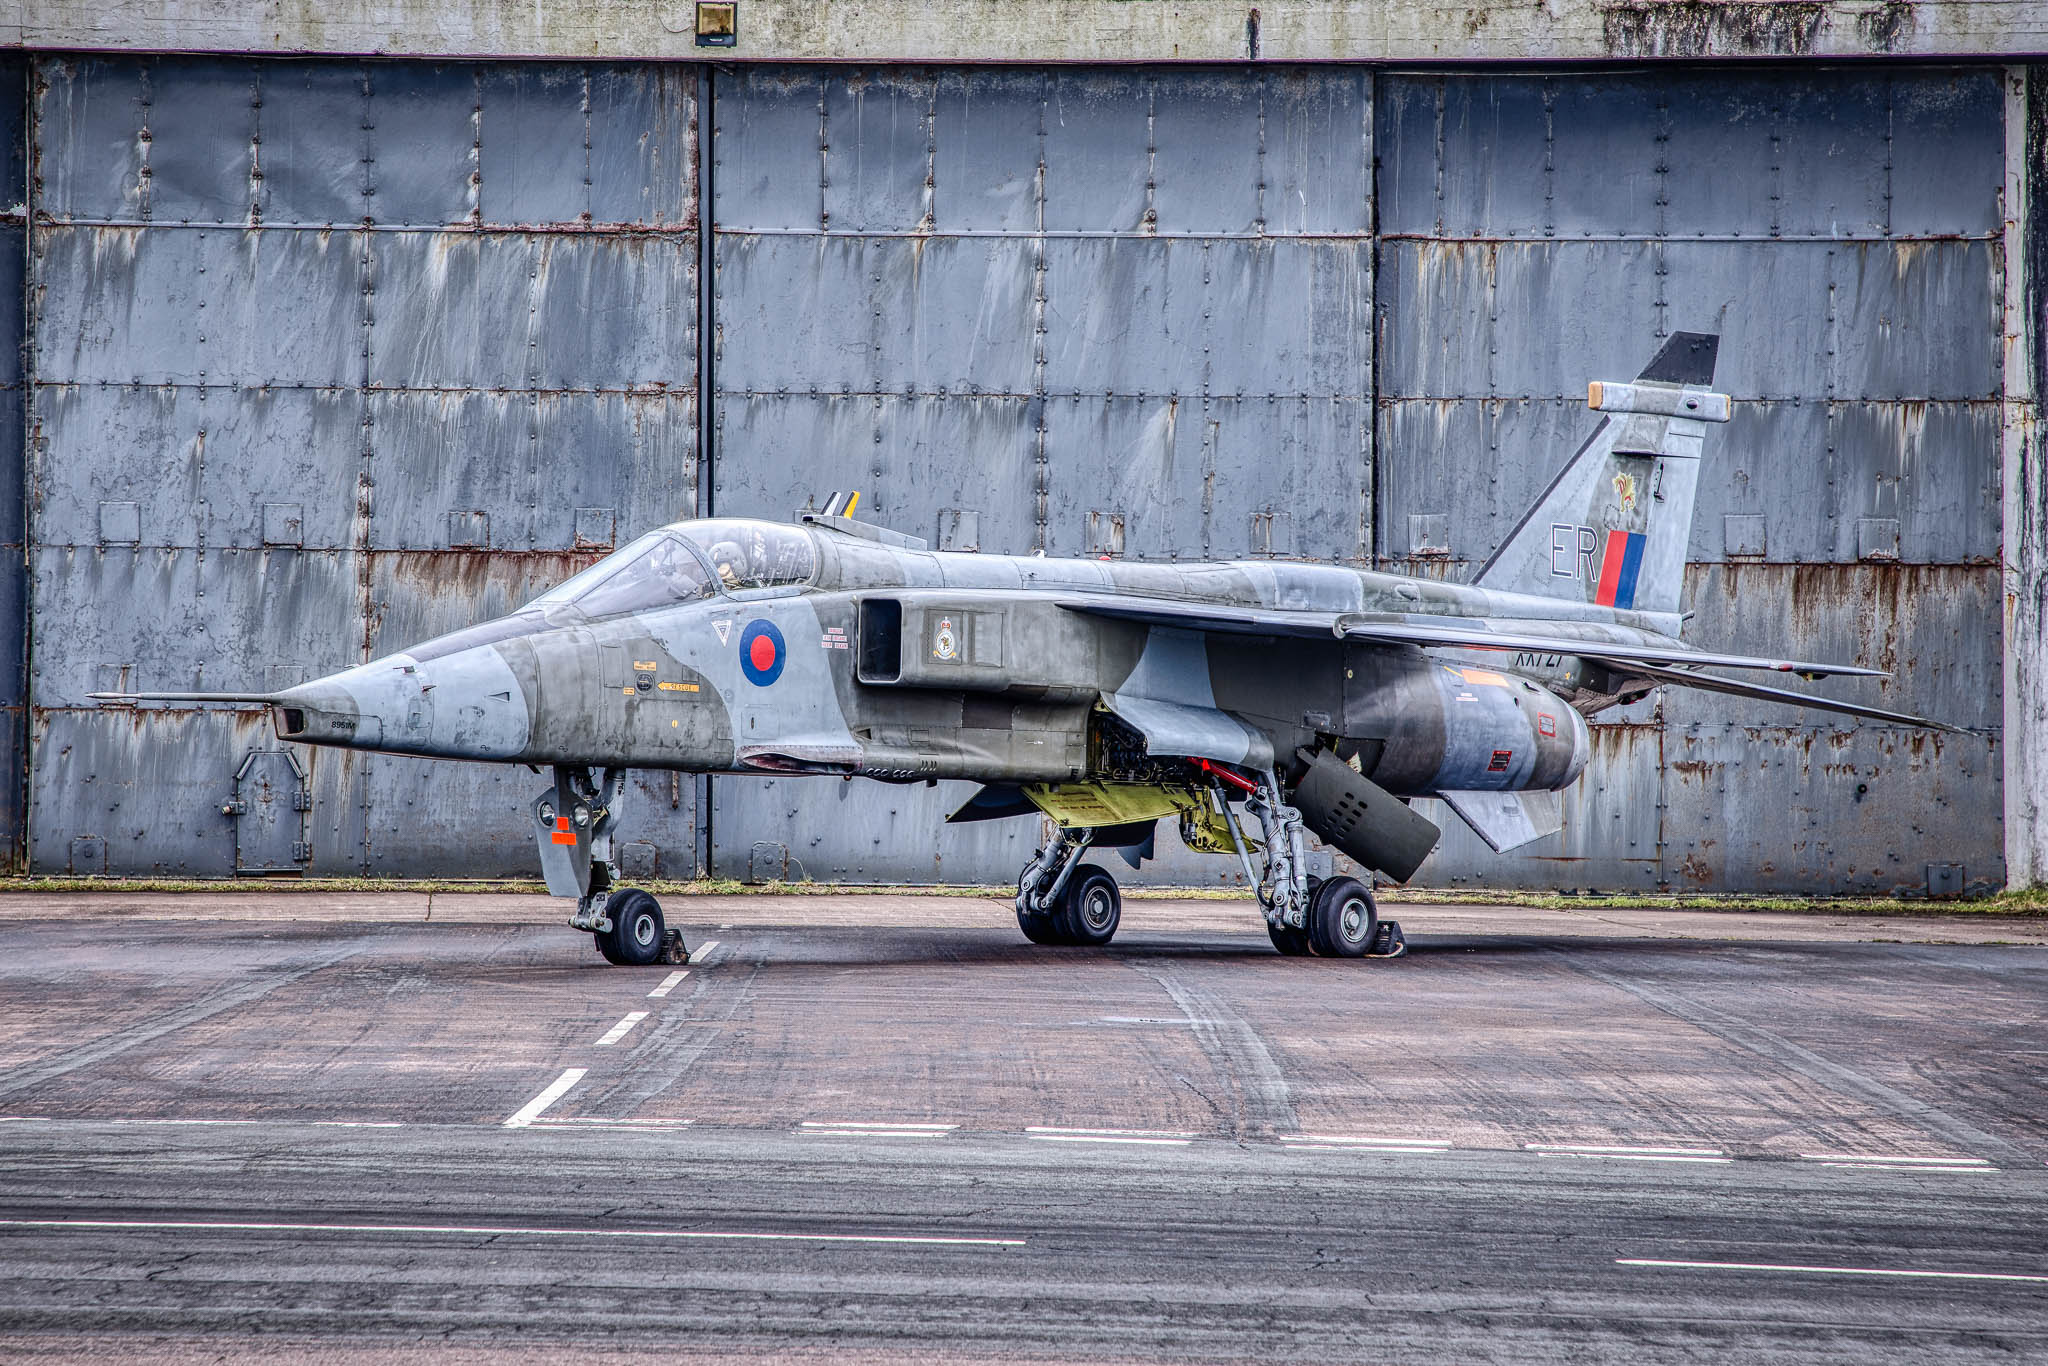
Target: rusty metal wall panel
[528,461]
[13,477]
[1839,229]
[224,460]
[1828,810]
[330,357]
[1037,303]
[158,617]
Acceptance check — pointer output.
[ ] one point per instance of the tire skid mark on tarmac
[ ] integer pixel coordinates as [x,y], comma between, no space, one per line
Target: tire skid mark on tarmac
[1261,1100]
[1795,1058]
[214,1003]
[680,1035]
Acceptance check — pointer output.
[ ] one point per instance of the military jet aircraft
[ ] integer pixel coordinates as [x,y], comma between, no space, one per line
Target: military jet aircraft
[1251,702]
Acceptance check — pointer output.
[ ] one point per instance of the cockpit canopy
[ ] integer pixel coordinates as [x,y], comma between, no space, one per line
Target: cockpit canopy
[676,564]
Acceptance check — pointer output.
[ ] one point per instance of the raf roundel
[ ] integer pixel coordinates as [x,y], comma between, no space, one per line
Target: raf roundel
[761,653]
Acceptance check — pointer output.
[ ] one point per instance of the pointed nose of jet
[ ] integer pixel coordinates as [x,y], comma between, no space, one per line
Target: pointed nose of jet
[464,705]
[359,708]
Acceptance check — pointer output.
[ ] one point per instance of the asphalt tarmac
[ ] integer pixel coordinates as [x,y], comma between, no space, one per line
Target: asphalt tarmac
[887,1129]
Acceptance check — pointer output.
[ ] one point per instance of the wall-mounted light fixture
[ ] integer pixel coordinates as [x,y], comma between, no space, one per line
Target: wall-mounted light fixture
[718,23]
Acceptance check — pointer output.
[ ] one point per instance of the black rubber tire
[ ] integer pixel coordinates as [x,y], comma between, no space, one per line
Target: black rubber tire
[604,945]
[1091,907]
[637,931]
[1041,929]
[1291,942]
[1342,919]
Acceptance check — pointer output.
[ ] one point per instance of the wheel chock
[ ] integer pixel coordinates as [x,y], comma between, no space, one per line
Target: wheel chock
[1388,943]
[672,949]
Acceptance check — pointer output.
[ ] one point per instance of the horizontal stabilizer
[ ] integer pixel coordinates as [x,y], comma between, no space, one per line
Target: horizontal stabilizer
[1508,820]
[1736,687]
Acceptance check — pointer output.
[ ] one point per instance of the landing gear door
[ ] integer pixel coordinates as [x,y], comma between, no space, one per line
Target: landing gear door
[564,845]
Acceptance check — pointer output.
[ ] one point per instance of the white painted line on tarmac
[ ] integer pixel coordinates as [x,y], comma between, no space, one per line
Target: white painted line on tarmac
[24,1119]
[184,1121]
[703,950]
[621,1029]
[1633,1157]
[1835,1270]
[668,984]
[1049,1134]
[1895,1167]
[359,1124]
[858,1128]
[521,1231]
[1319,1141]
[650,1125]
[1609,1152]
[559,1087]
[1894,1159]
[1622,1150]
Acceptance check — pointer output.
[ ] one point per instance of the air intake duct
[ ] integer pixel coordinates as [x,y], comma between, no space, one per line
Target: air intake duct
[1358,816]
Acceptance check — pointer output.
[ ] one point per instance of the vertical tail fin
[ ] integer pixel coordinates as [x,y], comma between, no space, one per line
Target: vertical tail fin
[1612,527]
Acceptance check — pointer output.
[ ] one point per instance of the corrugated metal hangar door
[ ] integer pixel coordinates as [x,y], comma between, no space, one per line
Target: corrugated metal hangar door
[1841,230]
[328,358]
[1077,312]
[1136,313]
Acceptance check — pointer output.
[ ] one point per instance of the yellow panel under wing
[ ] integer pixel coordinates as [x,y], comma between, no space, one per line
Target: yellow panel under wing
[1081,805]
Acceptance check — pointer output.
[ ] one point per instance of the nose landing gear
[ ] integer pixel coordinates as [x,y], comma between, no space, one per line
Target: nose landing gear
[1061,900]
[573,822]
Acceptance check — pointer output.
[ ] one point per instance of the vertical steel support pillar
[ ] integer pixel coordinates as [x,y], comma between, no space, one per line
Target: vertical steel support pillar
[707,394]
[2024,543]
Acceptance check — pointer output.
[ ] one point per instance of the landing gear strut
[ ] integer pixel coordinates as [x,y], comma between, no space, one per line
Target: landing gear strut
[1061,900]
[1333,918]
[573,823]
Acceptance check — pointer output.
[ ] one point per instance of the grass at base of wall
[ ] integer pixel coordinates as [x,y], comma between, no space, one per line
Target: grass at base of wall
[2030,901]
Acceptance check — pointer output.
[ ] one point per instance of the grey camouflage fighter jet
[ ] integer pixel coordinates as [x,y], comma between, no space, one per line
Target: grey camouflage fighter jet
[1250,702]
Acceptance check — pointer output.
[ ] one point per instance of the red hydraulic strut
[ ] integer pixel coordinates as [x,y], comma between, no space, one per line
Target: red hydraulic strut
[1236,780]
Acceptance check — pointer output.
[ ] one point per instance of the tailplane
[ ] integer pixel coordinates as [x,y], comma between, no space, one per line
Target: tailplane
[1612,527]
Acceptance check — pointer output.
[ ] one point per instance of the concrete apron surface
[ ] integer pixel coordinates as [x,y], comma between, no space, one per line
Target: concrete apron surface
[890,1129]
[905,911]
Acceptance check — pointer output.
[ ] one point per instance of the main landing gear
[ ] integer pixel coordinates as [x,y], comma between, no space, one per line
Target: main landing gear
[1329,918]
[573,822]
[1061,900]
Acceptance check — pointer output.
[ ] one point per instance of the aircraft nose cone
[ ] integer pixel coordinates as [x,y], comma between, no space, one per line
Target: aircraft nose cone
[353,708]
[466,705]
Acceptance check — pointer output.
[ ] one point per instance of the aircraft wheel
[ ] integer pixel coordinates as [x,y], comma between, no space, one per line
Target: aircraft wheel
[1041,929]
[1091,907]
[634,939]
[1342,920]
[1291,942]
[604,946]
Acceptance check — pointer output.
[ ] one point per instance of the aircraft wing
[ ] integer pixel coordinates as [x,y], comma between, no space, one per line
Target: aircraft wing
[1602,643]
[1686,678]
